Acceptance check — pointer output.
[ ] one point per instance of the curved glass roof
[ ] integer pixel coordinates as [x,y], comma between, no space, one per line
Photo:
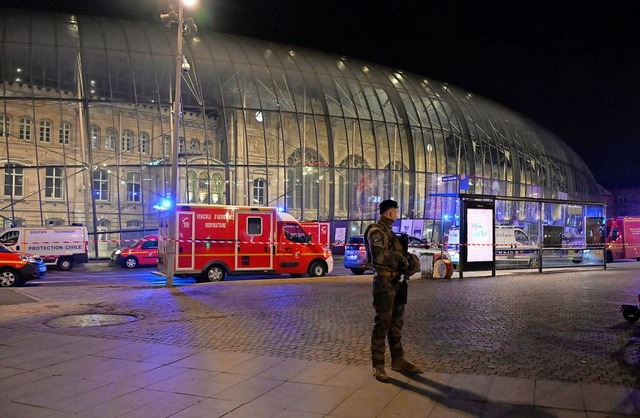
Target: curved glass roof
[323,136]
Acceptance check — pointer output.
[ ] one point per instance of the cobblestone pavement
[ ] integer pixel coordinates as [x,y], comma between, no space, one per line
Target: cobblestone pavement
[562,326]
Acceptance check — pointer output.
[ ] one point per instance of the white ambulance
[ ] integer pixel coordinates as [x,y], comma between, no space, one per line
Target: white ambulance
[62,246]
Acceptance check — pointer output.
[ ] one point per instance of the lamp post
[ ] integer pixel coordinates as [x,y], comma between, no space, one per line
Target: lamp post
[181,66]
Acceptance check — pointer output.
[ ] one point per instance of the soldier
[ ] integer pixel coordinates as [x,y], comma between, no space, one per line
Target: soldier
[385,252]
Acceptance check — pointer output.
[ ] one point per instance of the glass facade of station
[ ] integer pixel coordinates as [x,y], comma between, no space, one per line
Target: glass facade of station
[86,131]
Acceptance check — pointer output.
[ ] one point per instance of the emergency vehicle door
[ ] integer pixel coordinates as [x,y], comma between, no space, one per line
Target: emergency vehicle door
[186,244]
[254,243]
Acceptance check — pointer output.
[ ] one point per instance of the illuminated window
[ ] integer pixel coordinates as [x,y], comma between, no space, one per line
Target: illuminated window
[101,185]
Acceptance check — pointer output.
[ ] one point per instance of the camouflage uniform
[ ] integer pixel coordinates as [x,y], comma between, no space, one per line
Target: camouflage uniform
[386,254]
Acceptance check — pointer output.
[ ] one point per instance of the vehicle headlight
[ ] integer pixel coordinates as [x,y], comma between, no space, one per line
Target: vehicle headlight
[116,252]
[28,259]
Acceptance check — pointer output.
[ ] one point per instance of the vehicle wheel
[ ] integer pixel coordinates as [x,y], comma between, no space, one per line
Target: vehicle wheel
[317,269]
[534,263]
[214,274]
[8,277]
[358,272]
[65,263]
[131,262]
[609,257]
[631,313]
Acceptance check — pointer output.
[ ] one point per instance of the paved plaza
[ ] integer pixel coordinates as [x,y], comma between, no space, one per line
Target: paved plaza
[519,344]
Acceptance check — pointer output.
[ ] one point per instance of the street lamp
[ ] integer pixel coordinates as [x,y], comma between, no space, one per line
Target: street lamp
[182,66]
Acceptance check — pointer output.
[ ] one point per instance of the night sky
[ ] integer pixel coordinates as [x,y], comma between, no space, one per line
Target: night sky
[571,66]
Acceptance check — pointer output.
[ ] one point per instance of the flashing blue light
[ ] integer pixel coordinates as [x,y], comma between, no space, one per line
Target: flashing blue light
[280,209]
[164,204]
[445,217]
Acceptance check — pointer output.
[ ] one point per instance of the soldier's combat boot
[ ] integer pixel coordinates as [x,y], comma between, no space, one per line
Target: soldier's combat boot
[405,366]
[379,373]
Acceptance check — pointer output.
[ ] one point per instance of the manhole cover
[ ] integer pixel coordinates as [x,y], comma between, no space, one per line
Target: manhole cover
[90,320]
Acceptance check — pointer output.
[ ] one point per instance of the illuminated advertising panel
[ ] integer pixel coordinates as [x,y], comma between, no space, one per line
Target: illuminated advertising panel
[479,234]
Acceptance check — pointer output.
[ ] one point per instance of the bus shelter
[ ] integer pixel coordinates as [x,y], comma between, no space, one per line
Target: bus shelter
[491,233]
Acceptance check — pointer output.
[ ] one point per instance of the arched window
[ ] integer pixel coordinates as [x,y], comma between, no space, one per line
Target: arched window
[133,187]
[308,175]
[259,186]
[45,131]
[5,126]
[13,180]
[53,182]
[64,136]
[192,185]
[203,188]
[110,139]
[101,185]
[95,137]
[194,146]
[26,127]
[144,142]
[217,189]
[127,140]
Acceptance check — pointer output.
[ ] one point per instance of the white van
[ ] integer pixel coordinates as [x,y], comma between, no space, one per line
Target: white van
[62,246]
[513,247]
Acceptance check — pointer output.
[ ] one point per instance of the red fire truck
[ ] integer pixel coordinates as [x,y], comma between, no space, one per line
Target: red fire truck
[622,238]
[216,240]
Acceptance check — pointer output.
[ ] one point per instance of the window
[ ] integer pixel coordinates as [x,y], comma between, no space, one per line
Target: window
[194,146]
[254,226]
[258,191]
[144,142]
[149,245]
[182,146]
[53,182]
[13,180]
[127,140]
[45,131]
[191,187]
[166,145]
[65,133]
[101,185]
[26,126]
[5,126]
[133,187]
[95,137]
[110,139]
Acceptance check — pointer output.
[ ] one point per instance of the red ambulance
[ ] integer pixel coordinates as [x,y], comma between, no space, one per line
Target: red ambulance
[622,238]
[216,240]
